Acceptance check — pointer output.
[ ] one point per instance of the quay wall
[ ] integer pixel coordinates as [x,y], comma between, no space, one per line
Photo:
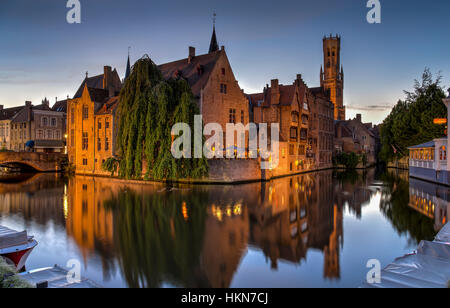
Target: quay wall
[439,177]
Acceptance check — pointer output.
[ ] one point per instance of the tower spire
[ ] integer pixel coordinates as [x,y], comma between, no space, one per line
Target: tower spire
[213,46]
[127,73]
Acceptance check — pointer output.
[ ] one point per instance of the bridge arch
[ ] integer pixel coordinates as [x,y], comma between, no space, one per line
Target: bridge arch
[41,162]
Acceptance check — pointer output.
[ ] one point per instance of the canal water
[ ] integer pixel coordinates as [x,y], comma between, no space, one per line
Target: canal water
[312,230]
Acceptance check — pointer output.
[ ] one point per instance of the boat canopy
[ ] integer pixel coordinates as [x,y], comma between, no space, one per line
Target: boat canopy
[10,238]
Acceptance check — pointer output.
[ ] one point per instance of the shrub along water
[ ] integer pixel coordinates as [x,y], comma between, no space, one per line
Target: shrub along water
[9,279]
[149,107]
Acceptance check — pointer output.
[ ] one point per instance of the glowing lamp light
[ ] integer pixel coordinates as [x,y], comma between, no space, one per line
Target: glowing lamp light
[440,121]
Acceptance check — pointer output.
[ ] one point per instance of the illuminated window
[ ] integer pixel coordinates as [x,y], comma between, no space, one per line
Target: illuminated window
[294,134]
[85,113]
[84,141]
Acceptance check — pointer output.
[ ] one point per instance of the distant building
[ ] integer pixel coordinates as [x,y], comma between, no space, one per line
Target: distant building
[38,129]
[6,115]
[357,137]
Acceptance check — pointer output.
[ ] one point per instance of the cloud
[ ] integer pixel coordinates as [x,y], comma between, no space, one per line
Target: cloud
[370,107]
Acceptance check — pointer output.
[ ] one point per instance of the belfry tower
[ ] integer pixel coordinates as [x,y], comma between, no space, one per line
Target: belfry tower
[332,77]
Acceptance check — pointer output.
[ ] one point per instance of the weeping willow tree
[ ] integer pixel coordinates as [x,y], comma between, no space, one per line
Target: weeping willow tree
[149,107]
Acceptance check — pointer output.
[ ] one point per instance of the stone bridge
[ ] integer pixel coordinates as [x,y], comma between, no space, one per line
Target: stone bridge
[42,162]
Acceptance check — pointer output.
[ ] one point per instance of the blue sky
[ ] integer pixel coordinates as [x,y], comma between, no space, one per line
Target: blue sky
[41,55]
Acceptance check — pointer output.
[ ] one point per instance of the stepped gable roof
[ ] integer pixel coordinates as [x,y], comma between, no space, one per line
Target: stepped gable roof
[287,95]
[196,71]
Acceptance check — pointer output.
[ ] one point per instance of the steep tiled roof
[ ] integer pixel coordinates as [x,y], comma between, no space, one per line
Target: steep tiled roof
[196,71]
[8,113]
[98,95]
[60,106]
[109,107]
[24,114]
[92,82]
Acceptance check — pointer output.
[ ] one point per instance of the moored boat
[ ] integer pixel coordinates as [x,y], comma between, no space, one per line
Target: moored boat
[15,247]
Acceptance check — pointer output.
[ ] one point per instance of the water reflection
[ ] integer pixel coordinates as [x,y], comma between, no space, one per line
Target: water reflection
[153,236]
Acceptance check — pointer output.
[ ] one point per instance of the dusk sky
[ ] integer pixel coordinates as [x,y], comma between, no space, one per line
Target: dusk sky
[41,55]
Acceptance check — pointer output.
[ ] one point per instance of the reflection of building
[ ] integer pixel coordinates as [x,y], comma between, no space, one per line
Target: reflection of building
[430,200]
[297,216]
[37,199]
[224,243]
[88,222]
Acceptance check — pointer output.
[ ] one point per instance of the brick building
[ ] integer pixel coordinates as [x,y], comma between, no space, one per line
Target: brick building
[91,121]
[215,88]
[38,129]
[321,139]
[288,106]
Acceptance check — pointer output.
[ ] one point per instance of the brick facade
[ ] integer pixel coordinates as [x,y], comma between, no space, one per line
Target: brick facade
[91,122]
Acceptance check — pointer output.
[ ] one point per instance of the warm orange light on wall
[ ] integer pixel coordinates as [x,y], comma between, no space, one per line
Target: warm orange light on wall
[440,121]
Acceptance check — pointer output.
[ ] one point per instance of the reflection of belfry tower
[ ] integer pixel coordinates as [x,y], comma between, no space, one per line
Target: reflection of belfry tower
[332,77]
[331,252]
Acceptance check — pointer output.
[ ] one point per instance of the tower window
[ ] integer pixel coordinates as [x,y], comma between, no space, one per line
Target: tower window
[223,88]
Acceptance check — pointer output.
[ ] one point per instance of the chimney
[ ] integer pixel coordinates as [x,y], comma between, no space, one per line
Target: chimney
[359,118]
[275,91]
[191,53]
[28,104]
[222,48]
[107,80]
[1,107]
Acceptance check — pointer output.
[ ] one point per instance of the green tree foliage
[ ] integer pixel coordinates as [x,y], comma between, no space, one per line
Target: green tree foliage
[349,160]
[411,120]
[149,107]
[111,165]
